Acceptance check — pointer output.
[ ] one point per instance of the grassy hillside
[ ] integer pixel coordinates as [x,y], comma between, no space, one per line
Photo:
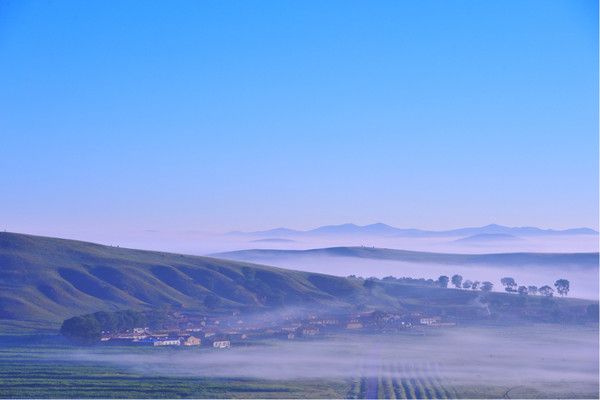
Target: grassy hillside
[45,280]
[585,260]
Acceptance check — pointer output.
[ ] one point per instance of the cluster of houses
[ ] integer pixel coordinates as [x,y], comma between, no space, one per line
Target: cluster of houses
[220,332]
[147,337]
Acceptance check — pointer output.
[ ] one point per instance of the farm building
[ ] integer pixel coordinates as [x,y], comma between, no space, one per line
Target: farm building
[309,331]
[430,320]
[166,342]
[190,341]
[221,344]
[354,324]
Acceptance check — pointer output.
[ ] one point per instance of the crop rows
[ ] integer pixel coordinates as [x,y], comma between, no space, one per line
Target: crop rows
[401,381]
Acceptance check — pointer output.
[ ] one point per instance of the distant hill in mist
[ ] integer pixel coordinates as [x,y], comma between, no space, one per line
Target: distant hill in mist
[583,260]
[272,240]
[383,230]
[489,238]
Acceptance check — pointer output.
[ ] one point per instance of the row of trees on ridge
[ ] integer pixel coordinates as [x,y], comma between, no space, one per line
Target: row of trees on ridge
[510,285]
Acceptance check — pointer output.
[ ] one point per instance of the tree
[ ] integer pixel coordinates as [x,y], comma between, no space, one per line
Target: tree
[546,291]
[84,329]
[523,290]
[487,286]
[509,284]
[562,286]
[443,281]
[532,290]
[457,280]
[369,283]
[467,284]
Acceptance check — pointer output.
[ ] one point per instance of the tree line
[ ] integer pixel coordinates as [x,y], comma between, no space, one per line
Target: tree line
[88,328]
[510,285]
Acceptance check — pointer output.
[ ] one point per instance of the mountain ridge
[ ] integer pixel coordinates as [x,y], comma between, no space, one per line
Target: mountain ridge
[381,229]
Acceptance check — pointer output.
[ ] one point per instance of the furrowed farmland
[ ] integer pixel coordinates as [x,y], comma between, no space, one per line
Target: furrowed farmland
[401,381]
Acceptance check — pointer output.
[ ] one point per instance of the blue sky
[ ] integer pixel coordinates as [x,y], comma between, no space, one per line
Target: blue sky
[254,114]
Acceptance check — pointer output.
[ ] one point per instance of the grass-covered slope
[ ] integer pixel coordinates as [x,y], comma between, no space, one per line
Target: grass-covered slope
[45,280]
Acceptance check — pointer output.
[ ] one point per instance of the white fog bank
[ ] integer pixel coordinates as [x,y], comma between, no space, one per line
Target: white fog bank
[535,356]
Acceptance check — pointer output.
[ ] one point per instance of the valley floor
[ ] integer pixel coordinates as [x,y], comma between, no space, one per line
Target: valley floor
[537,361]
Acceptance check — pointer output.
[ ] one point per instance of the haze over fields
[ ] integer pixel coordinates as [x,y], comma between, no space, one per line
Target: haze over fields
[457,357]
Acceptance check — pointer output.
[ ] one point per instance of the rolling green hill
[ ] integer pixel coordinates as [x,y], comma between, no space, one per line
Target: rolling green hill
[45,280]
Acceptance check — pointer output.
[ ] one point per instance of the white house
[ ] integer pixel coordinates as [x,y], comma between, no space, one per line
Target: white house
[221,344]
[167,342]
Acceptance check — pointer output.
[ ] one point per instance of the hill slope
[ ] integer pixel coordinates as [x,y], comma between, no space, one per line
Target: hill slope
[585,260]
[44,280]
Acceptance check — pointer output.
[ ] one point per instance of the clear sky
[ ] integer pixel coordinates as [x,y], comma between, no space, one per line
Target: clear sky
[248,115]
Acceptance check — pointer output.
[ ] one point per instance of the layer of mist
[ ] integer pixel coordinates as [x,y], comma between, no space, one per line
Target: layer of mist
[202,243]
[507,356]
[584,281]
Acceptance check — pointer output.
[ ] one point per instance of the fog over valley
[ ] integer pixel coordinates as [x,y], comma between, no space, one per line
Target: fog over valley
[532,356]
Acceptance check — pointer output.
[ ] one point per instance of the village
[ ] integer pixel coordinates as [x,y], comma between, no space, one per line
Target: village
[225,331]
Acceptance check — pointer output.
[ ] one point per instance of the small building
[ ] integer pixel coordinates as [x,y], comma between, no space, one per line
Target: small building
[430,320]
[354,324]
[166,342]
[310,331]
[221,344]
[190,341]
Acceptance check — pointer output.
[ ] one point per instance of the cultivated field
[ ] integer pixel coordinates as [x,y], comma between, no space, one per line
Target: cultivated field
[37,373]
[537,361]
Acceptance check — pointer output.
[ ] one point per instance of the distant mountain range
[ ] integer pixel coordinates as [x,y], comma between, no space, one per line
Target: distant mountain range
[384,230]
